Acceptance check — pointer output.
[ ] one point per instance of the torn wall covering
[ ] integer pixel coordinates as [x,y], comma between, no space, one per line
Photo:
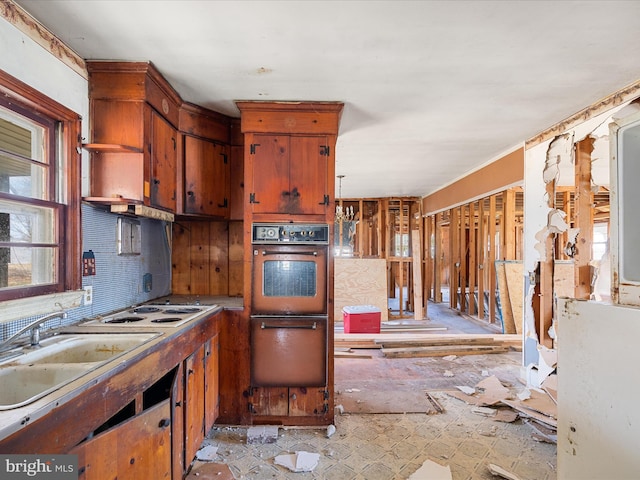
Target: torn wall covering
[544,162]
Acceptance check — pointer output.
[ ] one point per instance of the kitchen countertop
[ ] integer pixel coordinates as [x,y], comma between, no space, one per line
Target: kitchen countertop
[227,303]
[14,419]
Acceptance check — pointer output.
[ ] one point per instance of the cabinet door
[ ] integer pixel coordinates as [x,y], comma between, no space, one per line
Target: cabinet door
[309,163]
[270,176]
[211,382]
[138,448]
[163,142]
[206,177]
[194,404]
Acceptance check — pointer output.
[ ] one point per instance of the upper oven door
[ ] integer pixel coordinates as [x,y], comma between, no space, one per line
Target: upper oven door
[289,280]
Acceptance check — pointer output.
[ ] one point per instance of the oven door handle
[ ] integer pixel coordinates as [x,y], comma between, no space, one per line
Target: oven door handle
[275,252]
[310,326]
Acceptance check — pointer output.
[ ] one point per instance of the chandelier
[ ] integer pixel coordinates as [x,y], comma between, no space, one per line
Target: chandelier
[346,214]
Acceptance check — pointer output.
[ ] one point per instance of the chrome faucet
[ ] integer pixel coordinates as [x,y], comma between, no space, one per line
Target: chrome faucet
[35,330]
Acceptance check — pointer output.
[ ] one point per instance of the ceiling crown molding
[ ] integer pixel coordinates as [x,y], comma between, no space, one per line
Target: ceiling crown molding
[19,18]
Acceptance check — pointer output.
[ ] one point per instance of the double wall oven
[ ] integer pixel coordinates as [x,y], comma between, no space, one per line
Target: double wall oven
[289,305]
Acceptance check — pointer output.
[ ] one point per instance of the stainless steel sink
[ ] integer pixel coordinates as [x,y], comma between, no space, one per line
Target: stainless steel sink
[59,360]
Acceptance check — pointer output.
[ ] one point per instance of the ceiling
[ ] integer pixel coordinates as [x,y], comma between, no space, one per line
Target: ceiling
[432,89]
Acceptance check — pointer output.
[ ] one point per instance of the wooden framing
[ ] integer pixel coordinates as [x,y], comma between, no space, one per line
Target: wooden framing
[583,219]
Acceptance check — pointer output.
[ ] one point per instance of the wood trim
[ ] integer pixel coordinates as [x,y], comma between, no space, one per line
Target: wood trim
[70,121]
[626,94]
[36,31]
[503,173]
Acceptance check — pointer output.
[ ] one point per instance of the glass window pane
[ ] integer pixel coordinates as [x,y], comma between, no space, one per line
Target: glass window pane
[26,223]
[26,266]
[289,279]
[21,177]
[21,136]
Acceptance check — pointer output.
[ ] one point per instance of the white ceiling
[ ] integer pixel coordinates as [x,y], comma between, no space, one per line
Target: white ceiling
[432,89]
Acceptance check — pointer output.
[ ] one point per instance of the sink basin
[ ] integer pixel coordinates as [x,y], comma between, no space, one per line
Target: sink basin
[83,348]
[58,361]
[24,384]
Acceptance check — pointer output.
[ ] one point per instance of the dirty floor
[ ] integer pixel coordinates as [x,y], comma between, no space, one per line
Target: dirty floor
[390,446]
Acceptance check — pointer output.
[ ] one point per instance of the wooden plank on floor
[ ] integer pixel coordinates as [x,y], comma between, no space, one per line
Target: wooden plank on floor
[508,323]
[442,351]
[416,254]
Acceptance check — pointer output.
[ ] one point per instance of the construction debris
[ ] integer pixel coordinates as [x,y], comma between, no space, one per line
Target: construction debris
[299,461]
[501,472]
[538,406]
[432,471]
[409,339]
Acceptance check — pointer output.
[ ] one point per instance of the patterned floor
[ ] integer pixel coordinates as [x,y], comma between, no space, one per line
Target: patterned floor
[387,446]
[393,446]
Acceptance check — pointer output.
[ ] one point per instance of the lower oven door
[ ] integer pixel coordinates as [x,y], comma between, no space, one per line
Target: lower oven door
[288,351]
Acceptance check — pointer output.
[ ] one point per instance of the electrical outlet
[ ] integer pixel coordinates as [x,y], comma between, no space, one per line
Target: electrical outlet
[88,295]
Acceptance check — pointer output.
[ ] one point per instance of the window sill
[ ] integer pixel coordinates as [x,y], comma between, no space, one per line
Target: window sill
[29,307]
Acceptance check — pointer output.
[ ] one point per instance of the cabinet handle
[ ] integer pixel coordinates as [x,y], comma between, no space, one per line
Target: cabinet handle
[165,422]
[224,204]
[178,404]
[295,192]
[190,372]
[325,201]
[190,193]
[252,198]
[156,181]
[174,142]
[308,326]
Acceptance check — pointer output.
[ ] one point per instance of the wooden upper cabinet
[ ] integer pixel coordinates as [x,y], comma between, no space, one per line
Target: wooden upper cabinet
[289,158]
[289,175]
[206,177]
[163,148]
[204,173]
[133,115]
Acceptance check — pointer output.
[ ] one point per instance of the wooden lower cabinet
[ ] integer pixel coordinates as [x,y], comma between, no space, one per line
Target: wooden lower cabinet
[211,383]
[193,404]
[137,448]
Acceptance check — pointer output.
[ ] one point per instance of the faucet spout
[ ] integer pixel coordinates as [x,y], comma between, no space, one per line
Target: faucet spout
[34,328]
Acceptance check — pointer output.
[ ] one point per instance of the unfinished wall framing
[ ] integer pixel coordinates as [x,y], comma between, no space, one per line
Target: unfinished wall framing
[462,247]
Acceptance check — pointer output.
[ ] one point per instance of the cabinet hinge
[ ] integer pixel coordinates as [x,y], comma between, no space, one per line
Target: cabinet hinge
[250,408]
[252,148]
[325,150]
[252,198]
[224,158]
[325,394]
[325,201]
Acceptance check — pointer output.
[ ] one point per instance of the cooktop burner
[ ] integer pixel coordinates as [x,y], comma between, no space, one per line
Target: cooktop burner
[145,310]
[148,316]
[137,318]
[166,319]
[181,311]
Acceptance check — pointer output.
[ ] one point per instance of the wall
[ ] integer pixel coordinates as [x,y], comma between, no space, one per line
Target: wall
[118,283]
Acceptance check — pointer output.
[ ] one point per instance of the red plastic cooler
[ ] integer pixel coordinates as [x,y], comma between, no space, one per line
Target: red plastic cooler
[361,319]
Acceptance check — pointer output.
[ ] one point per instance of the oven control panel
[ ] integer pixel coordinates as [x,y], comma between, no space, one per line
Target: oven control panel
[290,233]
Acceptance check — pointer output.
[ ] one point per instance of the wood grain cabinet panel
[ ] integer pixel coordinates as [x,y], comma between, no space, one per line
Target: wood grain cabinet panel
[137,448]
[206,177]
[289,174]
[134,116]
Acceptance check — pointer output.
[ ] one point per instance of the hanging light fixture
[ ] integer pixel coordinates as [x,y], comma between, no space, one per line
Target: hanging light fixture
[346,214]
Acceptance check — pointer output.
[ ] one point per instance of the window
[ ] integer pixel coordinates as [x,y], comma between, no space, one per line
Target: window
[39,193]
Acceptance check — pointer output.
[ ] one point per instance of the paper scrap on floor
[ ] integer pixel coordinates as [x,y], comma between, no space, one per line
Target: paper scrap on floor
[299,461]
[207,453]
[432,471]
